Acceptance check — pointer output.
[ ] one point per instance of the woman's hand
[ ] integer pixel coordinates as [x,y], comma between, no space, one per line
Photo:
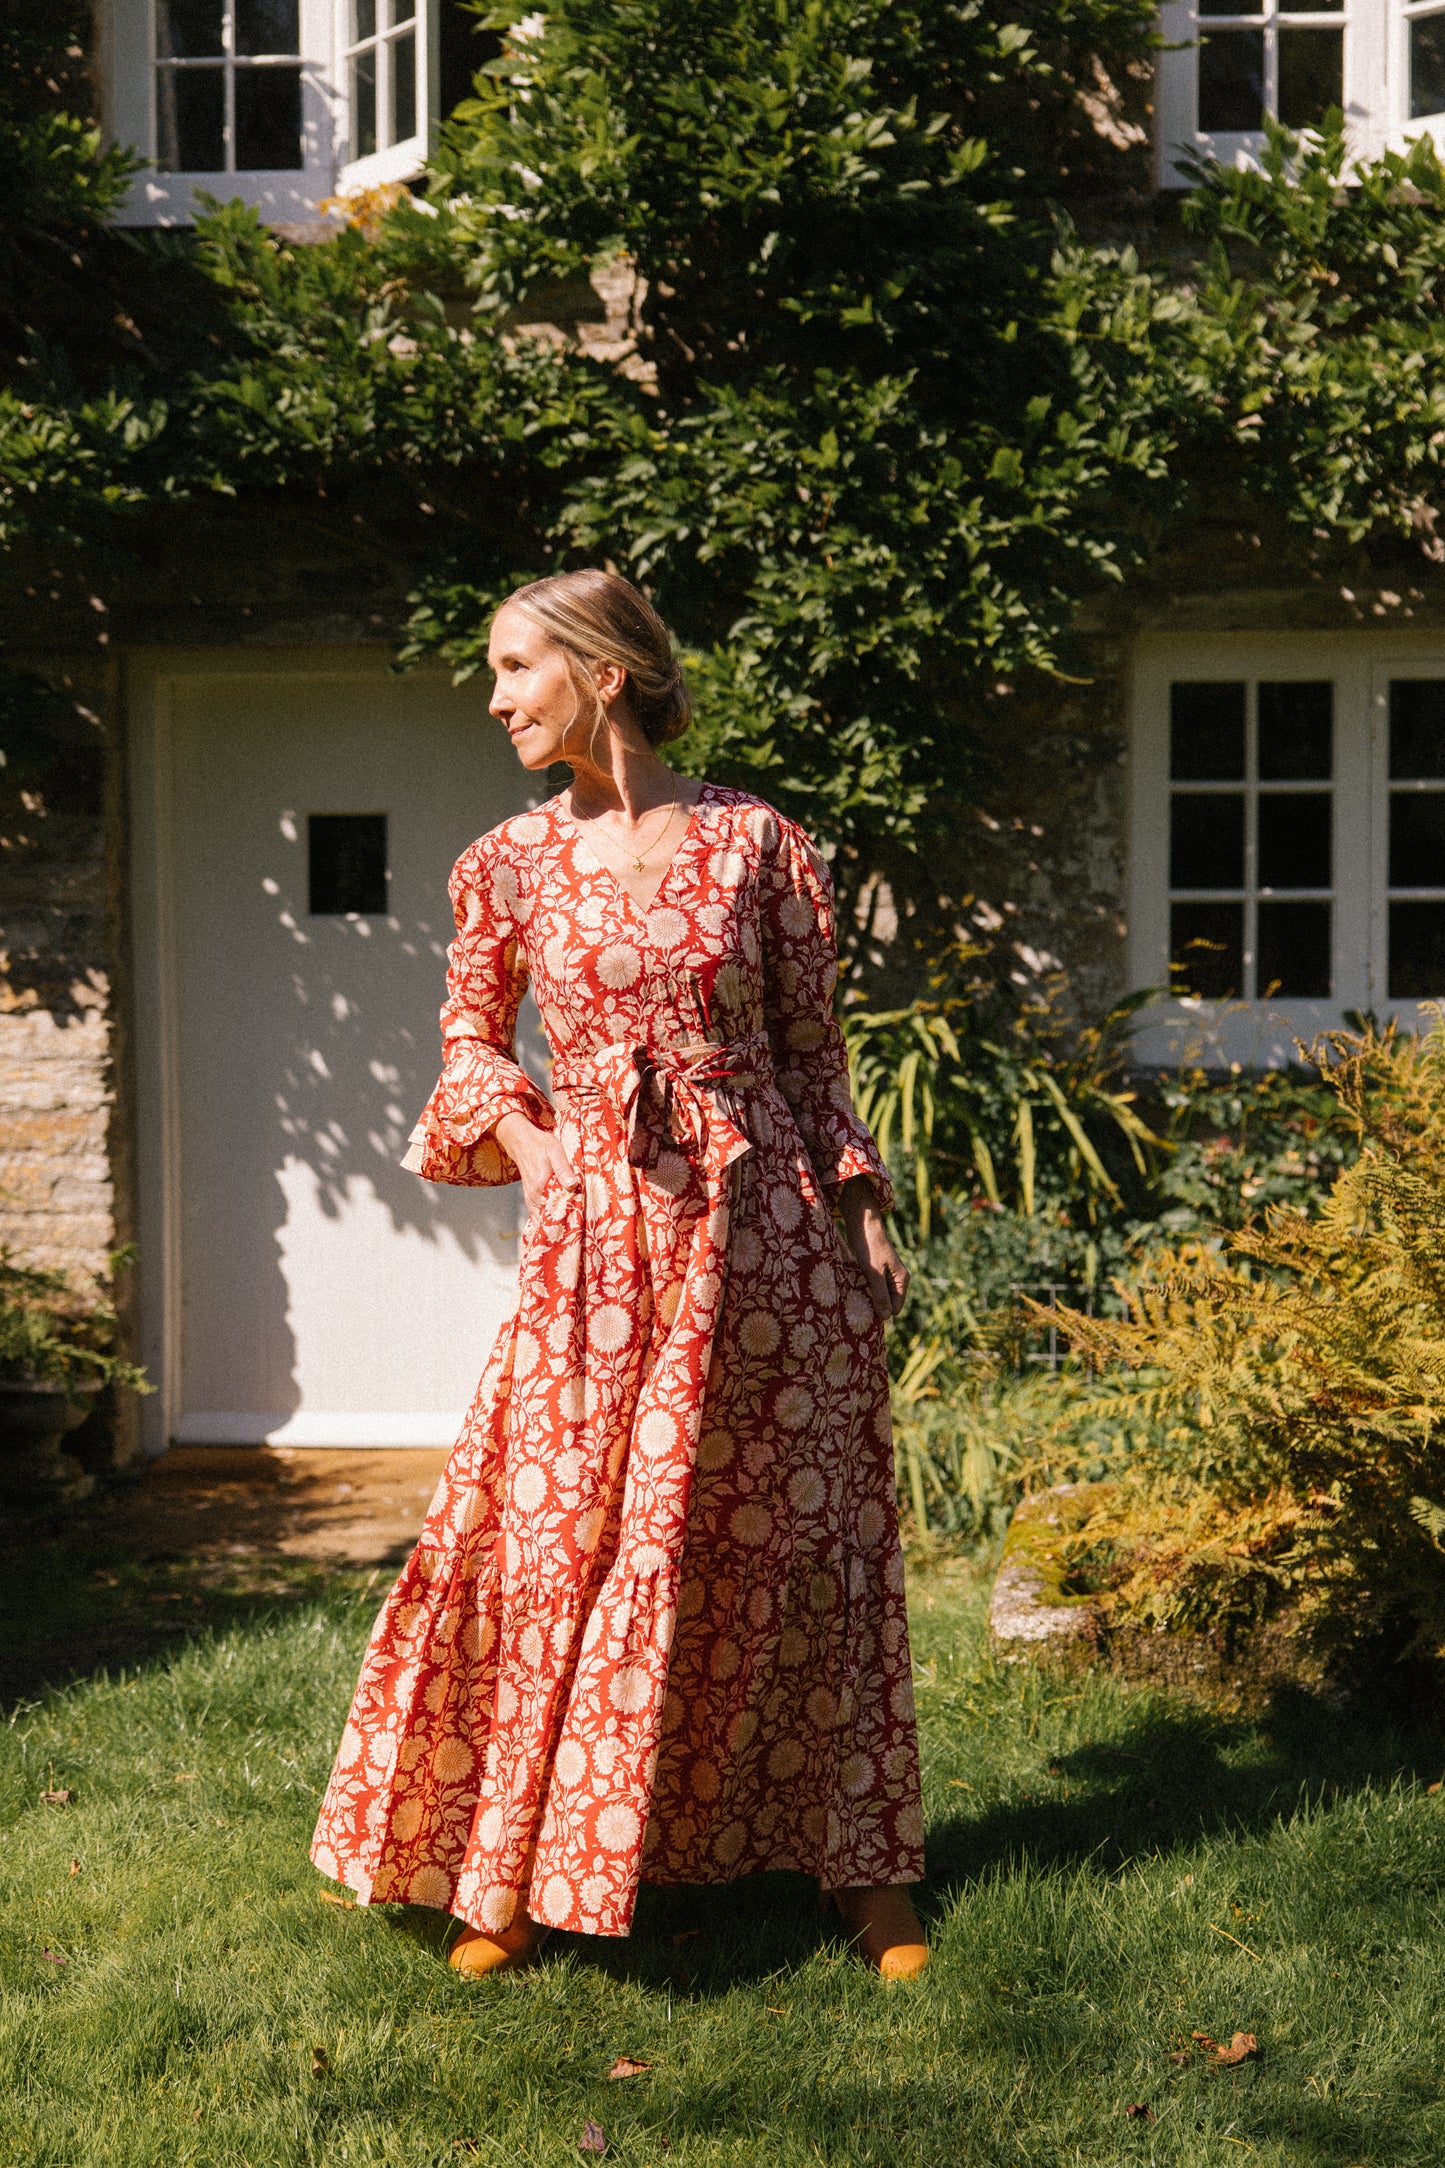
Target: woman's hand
[537,1154]
[879,1262]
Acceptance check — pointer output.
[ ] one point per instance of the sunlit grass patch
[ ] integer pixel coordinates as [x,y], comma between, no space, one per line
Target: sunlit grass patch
[1111,1873]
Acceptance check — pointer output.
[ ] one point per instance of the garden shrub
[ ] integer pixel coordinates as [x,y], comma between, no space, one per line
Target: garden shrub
[1290,1388]
[966,1444]
[54,1333]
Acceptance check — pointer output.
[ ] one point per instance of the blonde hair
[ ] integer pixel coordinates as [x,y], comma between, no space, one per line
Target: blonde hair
[596,617]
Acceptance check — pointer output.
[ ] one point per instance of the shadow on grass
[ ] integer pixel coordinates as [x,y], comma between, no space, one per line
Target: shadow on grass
[76,1602]
[1177,1774]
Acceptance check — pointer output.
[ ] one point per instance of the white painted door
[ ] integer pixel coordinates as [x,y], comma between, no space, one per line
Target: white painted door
[301,1287]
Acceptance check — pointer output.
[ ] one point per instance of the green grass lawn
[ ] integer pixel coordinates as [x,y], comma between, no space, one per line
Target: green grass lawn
[173,1988]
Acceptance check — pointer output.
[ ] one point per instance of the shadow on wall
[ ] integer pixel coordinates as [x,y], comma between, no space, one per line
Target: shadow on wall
[317,1272]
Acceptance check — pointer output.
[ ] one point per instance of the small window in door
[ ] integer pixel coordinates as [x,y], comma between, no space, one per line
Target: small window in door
[1251,839]
[347,865]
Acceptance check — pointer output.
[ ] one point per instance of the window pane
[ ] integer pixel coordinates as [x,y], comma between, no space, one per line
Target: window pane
[1206,950]
[363,103]
[1231,7]
[1311,75]
[1417,839]
[1231,82]
[403,11]
[1206,840]
[403,88]
[1294,952]
[268,26]
[1311,7]
[188,29]
[1417,729]
[191,120]
[1427,66]
[363,20]
[1206,733]
[347,863]
[268,120]
[1294,839]
[1417,951]
[1296,732]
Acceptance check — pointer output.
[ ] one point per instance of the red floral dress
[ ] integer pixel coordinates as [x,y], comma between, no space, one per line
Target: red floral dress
[654,1627]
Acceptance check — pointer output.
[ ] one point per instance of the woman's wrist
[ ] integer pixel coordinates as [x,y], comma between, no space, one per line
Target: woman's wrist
[857,1198]
[518,1136]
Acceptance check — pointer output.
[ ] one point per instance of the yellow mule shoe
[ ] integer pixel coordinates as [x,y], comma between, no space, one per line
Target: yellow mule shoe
[508,1949]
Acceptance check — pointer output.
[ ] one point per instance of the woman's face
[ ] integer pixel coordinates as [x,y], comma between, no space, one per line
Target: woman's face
[534,698]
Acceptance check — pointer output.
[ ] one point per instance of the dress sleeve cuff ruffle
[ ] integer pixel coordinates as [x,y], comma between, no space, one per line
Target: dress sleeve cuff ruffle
[838,1158]
[455,1139]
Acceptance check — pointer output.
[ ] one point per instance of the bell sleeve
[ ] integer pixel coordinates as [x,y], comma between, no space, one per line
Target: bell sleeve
[455,1139]
[800,971]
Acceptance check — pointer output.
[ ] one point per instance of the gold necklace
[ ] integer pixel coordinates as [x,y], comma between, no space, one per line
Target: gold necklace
[639,864]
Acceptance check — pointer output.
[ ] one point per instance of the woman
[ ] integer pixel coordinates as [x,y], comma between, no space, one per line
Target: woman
[654,1626]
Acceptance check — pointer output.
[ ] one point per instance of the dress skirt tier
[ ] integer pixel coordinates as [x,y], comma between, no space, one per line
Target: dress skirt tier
[654,1625]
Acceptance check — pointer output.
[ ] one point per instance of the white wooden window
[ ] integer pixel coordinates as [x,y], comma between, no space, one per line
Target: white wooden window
[1422,58]
[1288,838]
[1251,837]
[1282,57]
[280,102]
[1230,63]
[228,86]
[381,74]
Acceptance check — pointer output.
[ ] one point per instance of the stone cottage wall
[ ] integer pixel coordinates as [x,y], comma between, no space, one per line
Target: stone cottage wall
[57,1094]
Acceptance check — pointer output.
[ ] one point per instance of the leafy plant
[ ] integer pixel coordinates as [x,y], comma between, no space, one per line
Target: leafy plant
[1294,1384]
[967,1442]
[51,1334]
[1007,1101]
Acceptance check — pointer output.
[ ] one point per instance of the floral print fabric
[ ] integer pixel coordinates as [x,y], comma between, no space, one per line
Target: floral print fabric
[654,1625]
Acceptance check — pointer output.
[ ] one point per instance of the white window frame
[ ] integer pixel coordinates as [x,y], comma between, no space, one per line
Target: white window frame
[1260,1034]
[402,160]
[1369,28]
[127,42]
[1405,125]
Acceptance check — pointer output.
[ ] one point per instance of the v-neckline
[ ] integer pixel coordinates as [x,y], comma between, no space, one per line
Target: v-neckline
[579,835]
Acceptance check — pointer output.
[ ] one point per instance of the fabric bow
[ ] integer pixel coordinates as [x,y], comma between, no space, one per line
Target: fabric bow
[651,1088]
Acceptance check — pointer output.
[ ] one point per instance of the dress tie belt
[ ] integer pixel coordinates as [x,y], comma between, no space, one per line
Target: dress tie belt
[649,1088]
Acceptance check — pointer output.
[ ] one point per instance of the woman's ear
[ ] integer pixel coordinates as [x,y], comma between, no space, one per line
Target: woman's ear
[611,682]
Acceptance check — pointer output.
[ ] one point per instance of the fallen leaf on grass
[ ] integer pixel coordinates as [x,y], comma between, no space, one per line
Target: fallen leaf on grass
[688,1934]
[1180,2056]
[1240,2048]
[466,2145]
[593,2139]
[335,1897]
[1139,2111]
[57,1798]
[186,1777]
[172,1595]
[53,1957]
[1432,1789]
[625,2067]
[75,1866]
[320,2062]
[957,1784]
